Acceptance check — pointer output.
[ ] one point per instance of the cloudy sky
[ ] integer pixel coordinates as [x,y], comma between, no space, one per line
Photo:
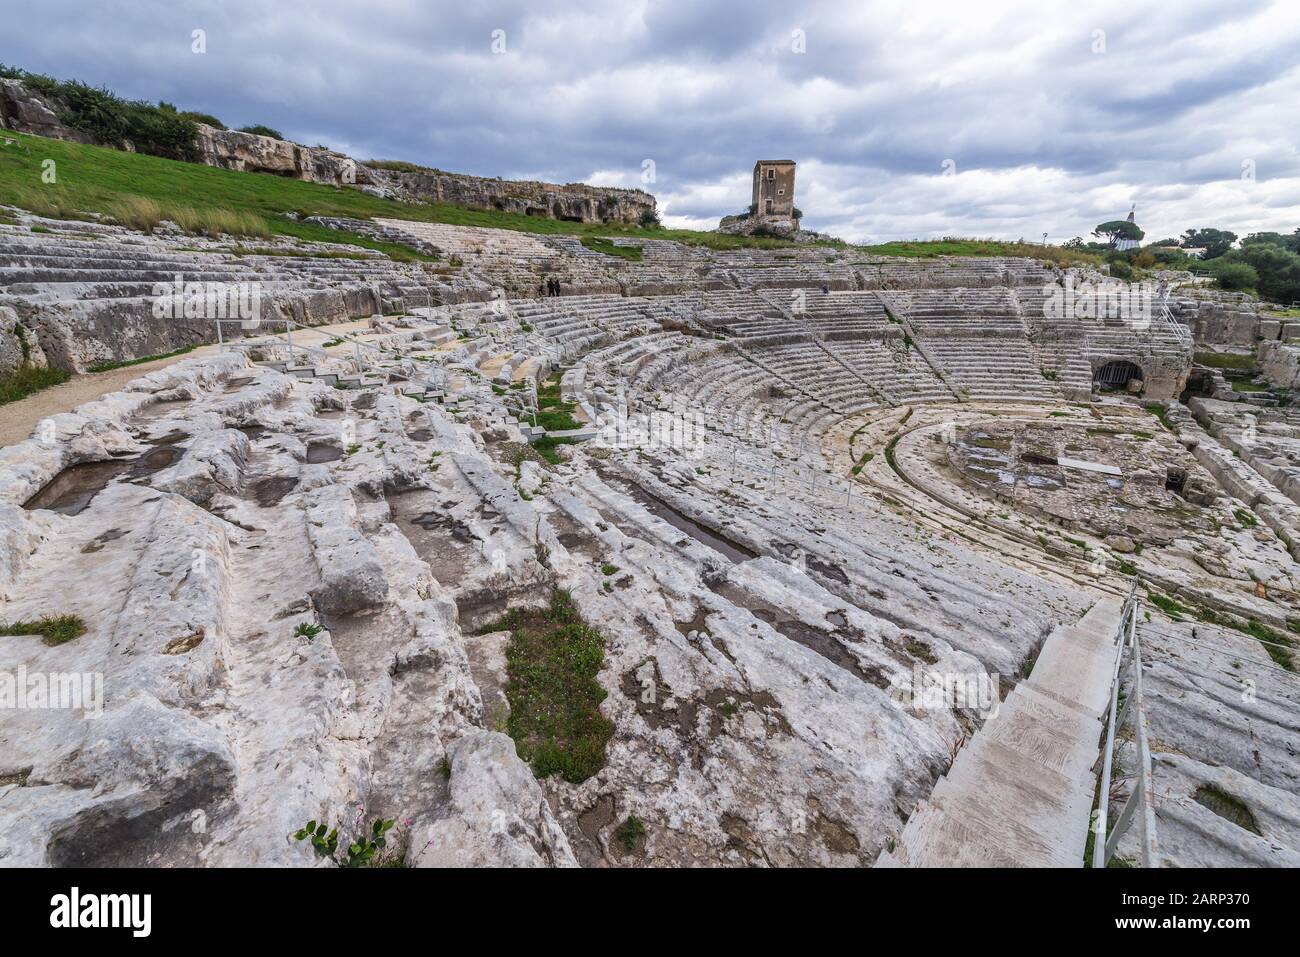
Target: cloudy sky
[908,119]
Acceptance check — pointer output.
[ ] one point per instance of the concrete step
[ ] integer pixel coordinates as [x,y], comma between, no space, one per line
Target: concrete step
[1041,739]
[934,838]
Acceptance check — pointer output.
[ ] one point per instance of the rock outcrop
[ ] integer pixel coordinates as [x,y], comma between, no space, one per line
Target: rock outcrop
[25,111]
[575,202]
[253,153]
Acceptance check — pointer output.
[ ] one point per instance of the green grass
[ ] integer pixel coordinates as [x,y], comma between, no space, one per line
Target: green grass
[629,832]
[866,457]
[552,661]
[553,413]
[929,248]
[607,569]
[1245,518]
[1170,607]
[545,447]
[1160,413]
[1270,640]
[125,363]
[1278,646]
[53,629]
[26,380]
[602,245]
[94,178]
[1224,360]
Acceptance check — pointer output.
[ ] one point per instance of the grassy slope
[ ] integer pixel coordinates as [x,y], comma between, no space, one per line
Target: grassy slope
[926,249]
[93,178]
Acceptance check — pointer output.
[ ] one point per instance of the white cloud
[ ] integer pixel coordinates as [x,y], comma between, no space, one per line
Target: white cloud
[1046,134]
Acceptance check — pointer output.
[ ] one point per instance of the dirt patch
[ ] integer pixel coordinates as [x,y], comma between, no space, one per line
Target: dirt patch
[98,543]
[178,646]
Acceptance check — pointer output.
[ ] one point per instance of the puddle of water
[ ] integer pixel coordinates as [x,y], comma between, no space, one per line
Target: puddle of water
[269,491]
[318,452]
[71,491]
[234,385]
[254,432]
[420,435]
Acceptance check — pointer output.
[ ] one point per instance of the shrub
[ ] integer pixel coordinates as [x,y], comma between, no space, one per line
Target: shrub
[112,121]
[260,130]
[1234,275]
[1120,269]
[205,118]
[649,219]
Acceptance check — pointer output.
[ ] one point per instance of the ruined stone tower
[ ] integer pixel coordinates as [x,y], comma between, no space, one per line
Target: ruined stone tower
[774,188]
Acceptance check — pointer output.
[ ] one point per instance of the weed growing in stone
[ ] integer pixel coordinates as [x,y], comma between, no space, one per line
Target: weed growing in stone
[629,832]
[53,629]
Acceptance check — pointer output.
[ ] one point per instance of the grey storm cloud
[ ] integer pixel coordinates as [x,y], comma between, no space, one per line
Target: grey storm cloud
[1053,115]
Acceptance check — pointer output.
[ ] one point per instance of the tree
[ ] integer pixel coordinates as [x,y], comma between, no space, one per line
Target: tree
[1277,270]
[1117,229]
[1234,276]
[1290,243]
[1216,241]
[1075,243]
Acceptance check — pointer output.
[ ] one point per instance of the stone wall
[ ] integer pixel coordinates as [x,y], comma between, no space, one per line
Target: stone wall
[1220,319]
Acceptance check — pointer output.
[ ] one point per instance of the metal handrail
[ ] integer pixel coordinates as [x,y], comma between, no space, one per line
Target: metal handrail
[1143,794]
[1179,330]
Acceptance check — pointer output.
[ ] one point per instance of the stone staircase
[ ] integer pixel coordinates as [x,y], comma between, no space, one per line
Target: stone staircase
[1020,793]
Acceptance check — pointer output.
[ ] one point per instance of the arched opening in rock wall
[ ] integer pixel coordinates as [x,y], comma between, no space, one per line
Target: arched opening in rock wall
[1116,374]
